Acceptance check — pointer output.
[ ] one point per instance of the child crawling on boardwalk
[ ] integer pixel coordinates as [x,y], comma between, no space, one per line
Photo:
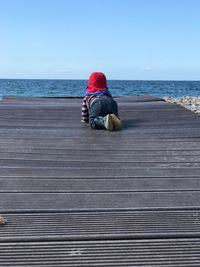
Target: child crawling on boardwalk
[99,109]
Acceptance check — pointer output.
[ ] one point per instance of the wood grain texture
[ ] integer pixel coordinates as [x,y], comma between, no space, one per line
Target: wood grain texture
[73,196]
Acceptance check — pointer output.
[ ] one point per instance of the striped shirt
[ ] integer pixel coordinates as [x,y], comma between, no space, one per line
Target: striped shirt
[87,102]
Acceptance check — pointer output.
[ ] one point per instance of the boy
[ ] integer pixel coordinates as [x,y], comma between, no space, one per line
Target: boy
[99,109]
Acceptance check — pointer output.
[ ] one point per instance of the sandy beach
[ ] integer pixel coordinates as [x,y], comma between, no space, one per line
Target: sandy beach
[189,102]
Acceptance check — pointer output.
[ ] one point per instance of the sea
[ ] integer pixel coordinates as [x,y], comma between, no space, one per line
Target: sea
[76,88]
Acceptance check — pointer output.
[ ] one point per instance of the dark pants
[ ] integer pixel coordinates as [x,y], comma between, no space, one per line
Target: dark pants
[100,108]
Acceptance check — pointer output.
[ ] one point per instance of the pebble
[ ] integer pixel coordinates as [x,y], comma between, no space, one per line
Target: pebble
[2,220]
[189,102]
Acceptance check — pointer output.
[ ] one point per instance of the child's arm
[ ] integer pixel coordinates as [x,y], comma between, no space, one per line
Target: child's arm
[84,111]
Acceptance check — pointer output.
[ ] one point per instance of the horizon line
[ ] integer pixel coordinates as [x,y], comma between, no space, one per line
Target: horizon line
[69,79]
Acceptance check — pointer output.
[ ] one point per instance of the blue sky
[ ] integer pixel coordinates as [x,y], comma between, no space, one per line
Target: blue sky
[126,39]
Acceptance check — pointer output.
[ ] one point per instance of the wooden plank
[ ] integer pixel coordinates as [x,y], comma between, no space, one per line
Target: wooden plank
[77,142]
[58,185]
[42,99]
[125,112]
[65,124]
[69,99]
[93,153]
[97,201]
[63,114]
[93,172]
[87,164]
[100,225]
[86,156]
[158,252]
[67,104]
[61,133]
[138,99]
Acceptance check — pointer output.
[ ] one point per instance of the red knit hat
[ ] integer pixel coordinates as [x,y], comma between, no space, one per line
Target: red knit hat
[97,83]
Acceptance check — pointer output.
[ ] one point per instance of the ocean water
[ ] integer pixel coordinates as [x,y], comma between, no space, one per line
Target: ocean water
[64,88]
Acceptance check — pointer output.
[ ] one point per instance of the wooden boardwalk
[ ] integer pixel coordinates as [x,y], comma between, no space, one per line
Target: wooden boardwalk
[73,196]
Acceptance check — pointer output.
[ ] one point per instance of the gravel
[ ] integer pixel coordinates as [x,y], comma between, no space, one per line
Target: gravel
[189,102]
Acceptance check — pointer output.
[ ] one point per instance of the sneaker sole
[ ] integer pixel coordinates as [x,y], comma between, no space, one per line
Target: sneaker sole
[117,124]
[109,123]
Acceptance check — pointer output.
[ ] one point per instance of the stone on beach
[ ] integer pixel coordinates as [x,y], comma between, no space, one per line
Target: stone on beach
[2,220]
[189,102]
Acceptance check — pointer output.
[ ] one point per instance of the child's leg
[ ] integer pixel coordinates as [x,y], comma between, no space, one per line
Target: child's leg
[109,106]
[95,118]
[99,117]
[113,110]
[105,123]
[99,114]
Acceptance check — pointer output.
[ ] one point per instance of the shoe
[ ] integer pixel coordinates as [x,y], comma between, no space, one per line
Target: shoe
[108,123]
[117,124]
